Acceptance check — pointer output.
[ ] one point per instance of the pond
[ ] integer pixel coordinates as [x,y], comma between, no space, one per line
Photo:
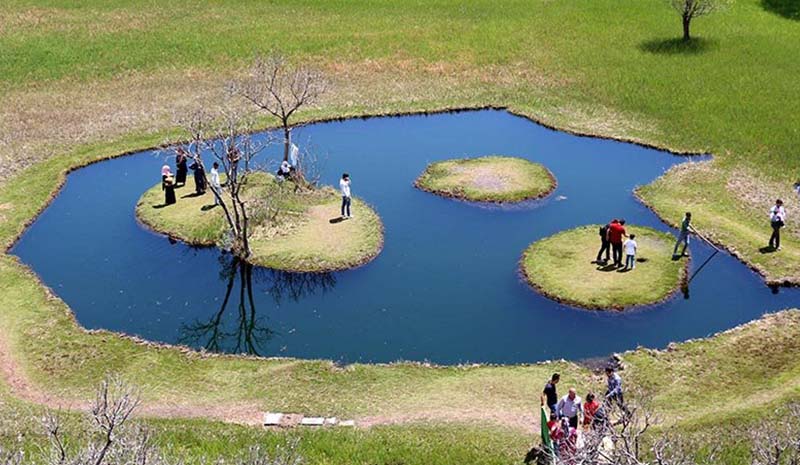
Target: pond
[446,287]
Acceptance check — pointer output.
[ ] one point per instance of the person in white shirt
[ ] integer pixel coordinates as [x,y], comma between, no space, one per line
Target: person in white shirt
[630,252]
[285,170]
[777,218]
[570,407]
[215,184]
[344,186]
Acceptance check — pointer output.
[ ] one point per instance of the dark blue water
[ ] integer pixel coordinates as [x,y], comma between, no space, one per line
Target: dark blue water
[445,288]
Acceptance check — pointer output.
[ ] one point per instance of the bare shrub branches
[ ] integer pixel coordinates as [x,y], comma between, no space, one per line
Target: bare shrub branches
[112,437]
[778,443]
[225,132]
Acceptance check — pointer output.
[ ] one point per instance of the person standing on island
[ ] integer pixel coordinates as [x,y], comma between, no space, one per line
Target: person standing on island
[683,235]
[216,187]
[616,231]
[344,186]
[181,162]
[199,177]
[551,393]
[630,252]
[168,186]
[777,218]
[605,246]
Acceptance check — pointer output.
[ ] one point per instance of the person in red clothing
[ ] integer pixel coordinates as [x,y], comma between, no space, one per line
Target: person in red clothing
[589,408]
[556,432]
[616,232]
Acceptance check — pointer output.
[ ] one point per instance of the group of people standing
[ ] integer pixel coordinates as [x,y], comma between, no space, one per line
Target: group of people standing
[169,182]
[569,413]
[614,238]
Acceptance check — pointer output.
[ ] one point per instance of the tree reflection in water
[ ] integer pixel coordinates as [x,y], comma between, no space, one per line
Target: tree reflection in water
[250,333]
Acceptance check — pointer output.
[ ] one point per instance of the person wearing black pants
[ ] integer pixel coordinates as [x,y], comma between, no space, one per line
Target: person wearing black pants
[344,186]
[616,232]
[605,246]
[777,216]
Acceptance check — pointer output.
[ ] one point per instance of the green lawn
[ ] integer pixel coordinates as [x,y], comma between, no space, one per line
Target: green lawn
[563,267]
[487,179]
[88,80]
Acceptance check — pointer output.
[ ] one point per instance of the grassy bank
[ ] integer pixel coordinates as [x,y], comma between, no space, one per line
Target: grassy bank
[79,82]
[732,208]
[487,179]
[305,235]
[78,74]
[563,268]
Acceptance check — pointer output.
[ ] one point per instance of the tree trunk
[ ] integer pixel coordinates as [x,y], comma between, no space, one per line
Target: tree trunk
[686,21]
[287,140]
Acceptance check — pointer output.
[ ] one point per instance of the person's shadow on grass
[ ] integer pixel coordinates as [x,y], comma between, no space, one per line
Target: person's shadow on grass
[767,249]
[606,267]
[337,220]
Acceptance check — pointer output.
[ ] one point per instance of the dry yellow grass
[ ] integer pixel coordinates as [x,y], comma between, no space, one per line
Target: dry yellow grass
[488,179]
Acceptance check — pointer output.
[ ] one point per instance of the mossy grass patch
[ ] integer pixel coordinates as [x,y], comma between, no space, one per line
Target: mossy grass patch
[563,268]
[494,178]
[306,235]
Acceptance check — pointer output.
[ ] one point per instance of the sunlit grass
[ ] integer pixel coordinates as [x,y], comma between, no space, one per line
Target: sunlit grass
[488,179]
[563,267]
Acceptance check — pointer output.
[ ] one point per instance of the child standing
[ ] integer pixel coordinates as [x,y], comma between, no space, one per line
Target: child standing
[630,252]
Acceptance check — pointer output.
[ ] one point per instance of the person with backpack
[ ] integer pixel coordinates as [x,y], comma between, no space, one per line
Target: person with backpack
[605,246]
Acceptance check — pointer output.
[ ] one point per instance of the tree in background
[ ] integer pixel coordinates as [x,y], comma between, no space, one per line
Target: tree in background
[280,89]
[690,9]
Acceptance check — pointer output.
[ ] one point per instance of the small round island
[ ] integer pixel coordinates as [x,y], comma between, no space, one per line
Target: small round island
[495,179]
[305,235]
[562,267]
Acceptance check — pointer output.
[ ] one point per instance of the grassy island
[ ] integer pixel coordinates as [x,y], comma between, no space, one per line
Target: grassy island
[488,179]
[305,235]
[562,267]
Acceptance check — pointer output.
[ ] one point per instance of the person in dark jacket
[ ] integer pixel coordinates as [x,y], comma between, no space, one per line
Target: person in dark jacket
[605,246]
[181,162]
[168,186]
[199,178]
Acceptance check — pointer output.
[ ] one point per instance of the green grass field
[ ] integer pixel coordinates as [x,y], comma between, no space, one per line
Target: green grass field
[84,81]
[487,179]
[563,267]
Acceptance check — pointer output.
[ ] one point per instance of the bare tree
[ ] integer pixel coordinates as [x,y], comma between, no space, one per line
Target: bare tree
[690,9]
[112,441]
[225,133]
[280,89]
[114,438]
